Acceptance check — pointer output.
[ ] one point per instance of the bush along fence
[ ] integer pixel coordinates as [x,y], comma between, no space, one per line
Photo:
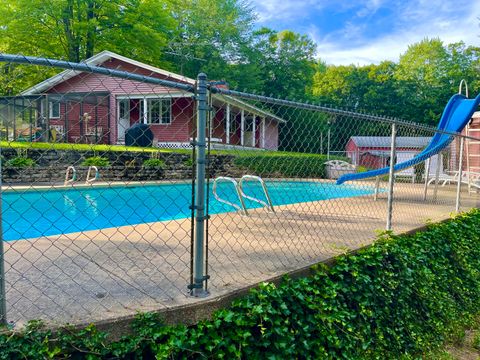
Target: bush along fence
[127,188]
[399,298]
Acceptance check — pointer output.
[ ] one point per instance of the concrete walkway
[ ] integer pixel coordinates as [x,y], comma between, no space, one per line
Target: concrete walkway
[110,273]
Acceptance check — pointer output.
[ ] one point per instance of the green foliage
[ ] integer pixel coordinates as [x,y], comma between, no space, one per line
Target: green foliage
[399,298]
[96,161]
[20,162]
[361,169]
[416,88]
[188,162]
[284,164]
[154,163]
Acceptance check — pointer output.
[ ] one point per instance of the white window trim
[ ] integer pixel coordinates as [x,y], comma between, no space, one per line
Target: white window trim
[154,96]
[149,113]
[50,110]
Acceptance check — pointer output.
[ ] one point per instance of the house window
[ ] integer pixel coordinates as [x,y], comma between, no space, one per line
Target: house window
[159,111]
[54,110]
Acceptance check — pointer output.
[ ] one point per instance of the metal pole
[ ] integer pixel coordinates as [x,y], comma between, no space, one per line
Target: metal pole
[377,185]
[227,124]
[202,108]
[328,142]
[460,174]
[437,176]
[427,174]
[391,177]
[3,294]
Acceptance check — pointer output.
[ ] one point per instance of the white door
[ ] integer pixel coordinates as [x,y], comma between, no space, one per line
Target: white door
[123,121]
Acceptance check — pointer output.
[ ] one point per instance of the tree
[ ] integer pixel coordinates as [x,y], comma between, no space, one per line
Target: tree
[76,29]
[209,36]
[286,62]
[431,73]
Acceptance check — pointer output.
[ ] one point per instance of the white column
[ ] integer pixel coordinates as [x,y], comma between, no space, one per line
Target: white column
[254,128]
[227,119]
[145,110]
[242,127]
[262,141]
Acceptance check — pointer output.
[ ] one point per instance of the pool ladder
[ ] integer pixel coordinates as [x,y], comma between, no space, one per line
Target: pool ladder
[90,179]
[69,180]
[241,194]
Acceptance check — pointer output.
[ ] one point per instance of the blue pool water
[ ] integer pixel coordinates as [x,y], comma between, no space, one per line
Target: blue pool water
[29,214]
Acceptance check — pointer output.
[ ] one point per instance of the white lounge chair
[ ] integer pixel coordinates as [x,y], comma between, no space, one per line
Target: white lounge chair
[468,177]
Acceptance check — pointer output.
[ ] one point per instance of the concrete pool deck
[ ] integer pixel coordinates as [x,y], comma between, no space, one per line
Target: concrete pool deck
[105,274]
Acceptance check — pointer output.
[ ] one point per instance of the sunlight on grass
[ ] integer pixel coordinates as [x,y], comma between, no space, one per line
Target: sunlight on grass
[80,147]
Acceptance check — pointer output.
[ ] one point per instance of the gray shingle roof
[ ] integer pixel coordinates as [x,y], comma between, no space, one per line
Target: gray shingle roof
[385,141]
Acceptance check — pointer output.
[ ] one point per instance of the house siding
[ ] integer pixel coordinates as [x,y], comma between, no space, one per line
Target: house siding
[88,83]
[182,126]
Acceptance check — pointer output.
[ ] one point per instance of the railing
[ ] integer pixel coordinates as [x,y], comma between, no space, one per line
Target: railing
[267,204]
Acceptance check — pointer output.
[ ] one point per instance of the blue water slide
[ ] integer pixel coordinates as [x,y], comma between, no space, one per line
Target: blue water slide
[455,117]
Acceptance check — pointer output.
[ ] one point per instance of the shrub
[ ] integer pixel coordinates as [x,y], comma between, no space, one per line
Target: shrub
[20,162]
[285,164]
[361,169]
[96,161]
[396,299]
[154,164]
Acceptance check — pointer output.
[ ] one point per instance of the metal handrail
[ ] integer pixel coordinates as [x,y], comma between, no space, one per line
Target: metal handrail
[240,198]
[90,180]
[74,175]
[268,205]
[464,84]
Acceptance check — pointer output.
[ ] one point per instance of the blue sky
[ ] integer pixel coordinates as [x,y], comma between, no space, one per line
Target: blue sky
[369,31]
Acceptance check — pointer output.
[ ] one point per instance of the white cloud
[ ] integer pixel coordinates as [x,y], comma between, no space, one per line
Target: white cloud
[390,47]
[412,21]
[269,11]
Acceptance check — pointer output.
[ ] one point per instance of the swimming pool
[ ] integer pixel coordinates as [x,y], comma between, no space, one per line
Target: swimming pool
[31,214]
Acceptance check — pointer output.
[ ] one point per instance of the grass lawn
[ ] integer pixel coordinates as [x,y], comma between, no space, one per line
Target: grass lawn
[82,147]
[122,148]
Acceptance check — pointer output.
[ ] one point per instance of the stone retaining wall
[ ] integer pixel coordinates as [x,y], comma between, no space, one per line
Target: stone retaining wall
[51,166]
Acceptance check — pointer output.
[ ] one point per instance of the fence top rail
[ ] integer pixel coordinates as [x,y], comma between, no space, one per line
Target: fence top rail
[32,60]
[334,111]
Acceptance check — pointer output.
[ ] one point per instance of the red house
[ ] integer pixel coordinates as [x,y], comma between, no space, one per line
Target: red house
[79,107]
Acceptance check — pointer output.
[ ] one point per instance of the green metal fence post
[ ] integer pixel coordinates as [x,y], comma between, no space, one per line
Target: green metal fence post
[3,295]
[199,246]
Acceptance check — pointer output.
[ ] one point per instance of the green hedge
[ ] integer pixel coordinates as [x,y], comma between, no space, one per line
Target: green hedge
[284,164]
[396,299]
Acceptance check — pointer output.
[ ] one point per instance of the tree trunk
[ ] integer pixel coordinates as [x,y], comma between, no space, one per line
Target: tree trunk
[72,40]
[91,29]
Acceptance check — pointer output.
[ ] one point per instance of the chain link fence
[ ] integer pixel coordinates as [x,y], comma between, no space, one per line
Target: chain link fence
[127,188]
